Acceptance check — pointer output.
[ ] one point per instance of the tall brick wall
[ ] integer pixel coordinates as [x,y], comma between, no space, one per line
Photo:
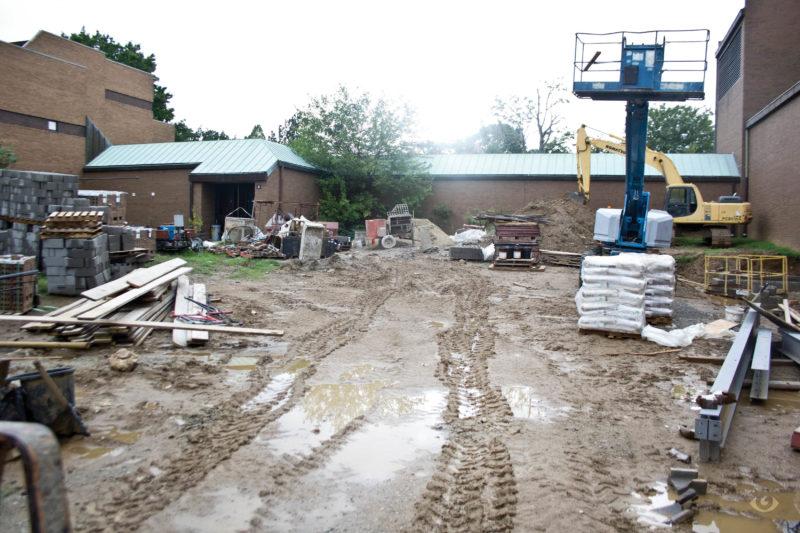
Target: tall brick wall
[56,79]
[730,124]
[771,58]
[154,196]
[774,176]
[467,197]
[298,186]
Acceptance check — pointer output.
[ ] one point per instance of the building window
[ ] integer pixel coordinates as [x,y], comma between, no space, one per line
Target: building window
[52,125]
[729,64]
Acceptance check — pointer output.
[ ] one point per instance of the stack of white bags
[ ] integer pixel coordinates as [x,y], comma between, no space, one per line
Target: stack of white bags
[660,291]
[618,292]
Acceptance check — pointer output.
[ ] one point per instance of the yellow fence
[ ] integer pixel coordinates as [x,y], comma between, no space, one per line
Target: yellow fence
[725,274]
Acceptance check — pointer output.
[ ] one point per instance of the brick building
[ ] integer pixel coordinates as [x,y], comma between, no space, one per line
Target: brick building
[758,108]
[469,183]
[209,179]
[61,102]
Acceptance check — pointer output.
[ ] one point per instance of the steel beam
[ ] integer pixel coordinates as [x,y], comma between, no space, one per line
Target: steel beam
[712,425]
[759,389]
[790,345]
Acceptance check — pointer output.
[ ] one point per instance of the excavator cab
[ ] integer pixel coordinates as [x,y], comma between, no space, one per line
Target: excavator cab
[681,201]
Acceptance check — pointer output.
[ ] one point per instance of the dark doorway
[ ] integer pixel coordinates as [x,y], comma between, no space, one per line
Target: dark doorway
[230,196]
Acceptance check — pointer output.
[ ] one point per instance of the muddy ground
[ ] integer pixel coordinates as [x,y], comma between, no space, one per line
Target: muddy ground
[410,393]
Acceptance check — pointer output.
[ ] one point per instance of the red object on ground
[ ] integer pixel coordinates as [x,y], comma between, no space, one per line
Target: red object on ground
[332,227]
[796,439]
[373,226]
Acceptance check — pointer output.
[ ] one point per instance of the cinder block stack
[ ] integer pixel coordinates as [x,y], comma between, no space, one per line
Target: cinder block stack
[16,294]
[75,265]
[24,201]
[115,201]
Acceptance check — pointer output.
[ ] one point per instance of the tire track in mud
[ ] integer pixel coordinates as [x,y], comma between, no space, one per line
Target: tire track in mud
[473,487]
[228,427]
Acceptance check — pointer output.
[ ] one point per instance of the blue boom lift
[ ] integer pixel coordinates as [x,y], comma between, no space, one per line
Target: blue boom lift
[637,74]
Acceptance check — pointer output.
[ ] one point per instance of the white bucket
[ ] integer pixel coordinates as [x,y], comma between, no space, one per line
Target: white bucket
[734,313]
[517,254]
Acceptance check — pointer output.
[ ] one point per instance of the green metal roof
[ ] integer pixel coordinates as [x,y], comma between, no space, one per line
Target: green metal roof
[553,165]
[243,156]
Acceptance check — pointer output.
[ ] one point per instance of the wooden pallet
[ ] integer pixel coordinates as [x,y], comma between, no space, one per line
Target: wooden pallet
[610,334]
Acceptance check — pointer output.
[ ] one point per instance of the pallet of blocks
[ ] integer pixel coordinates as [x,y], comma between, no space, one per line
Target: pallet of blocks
[146,294]
[17,292]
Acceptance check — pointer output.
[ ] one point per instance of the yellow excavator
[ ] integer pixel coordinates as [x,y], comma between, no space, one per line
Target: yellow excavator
[682,200]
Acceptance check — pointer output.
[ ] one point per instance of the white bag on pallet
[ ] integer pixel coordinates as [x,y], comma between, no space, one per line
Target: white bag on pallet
[612,295]
[660,291]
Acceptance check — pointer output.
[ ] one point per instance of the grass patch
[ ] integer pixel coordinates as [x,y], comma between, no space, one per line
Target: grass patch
[757,247]
[688,241]
[207,264]
[686,259]
[41,284]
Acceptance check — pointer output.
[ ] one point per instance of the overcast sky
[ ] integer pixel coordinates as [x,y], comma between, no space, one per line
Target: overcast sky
[234,64]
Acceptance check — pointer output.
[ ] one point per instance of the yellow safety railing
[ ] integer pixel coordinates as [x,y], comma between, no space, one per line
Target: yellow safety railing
[725,274]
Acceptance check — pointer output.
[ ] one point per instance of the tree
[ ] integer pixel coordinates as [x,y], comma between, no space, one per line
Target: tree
[287,132]
[362,145]
[539,113]
[130,54]
[256,133]
[183,133]
[497,138]
[7,156]
[680,129]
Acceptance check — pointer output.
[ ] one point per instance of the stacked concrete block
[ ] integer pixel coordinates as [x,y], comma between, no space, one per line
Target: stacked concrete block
[115,201]
[120,238]
[26,195]
[25,199]
[75,265]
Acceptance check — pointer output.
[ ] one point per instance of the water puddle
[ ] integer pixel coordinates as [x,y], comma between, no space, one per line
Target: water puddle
[524,404]
[381,450]
[87,452]
[125,437]
[325,410]
[242,363]
[227,505]
[278,385]
[357,373]
[661,507]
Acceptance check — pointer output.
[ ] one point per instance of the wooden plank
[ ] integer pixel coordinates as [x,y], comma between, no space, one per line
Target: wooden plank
[791,312]
[199,294]
[86,305]
[129,296]
[108,289]
[786,311]
[45,345]
[144,324]
[56,312]
[143,276]
[180,337]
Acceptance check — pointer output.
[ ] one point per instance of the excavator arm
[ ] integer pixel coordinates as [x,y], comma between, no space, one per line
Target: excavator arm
[657,160]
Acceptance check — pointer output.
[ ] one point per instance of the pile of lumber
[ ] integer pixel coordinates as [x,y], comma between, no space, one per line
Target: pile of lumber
[187,300]
[146,294]
[72,225]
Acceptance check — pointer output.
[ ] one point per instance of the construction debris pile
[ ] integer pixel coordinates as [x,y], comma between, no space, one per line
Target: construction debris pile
[145,294]
[569,225]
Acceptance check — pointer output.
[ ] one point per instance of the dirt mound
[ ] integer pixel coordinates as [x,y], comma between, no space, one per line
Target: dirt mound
[570,225]
[428,235]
